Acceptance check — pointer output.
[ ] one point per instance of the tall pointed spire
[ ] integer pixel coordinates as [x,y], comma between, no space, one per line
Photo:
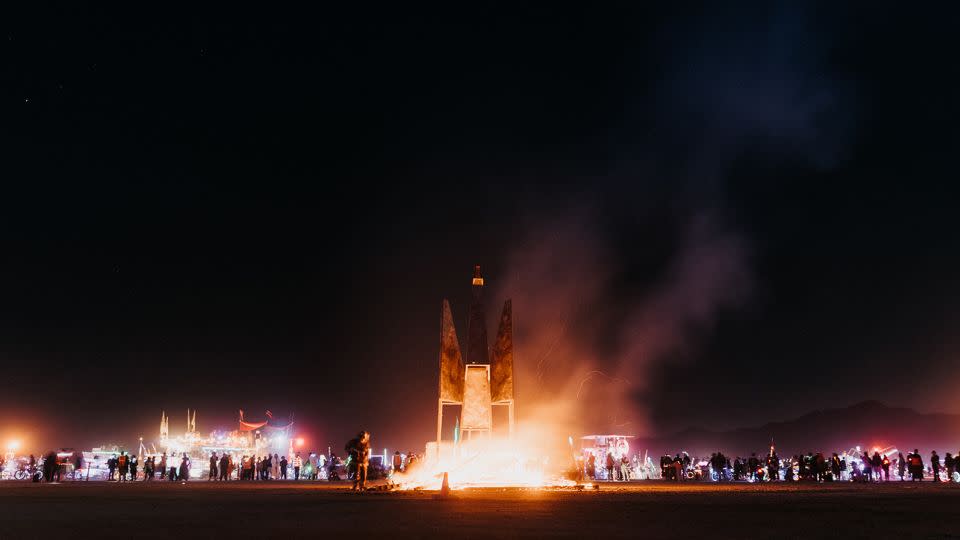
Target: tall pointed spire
[501,357]
[477,350]
[164,426]
[451,362]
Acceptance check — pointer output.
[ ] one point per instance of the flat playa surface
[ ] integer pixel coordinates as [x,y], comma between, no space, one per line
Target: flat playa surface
[315,510]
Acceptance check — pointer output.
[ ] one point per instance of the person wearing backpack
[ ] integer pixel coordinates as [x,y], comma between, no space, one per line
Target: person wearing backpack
[123,463]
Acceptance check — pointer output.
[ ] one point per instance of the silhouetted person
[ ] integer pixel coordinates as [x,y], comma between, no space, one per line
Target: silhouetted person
[359,449]
[835,467]
[773,467]
[867,467]
[50,467]
[123,464]
[213,467]
[885,466]
[283,467]
[935,465]
[397,461]
[224,467]
[820,465]
[916,466]
[184,474]
[902,467]
[133,468]
[950,464]
[752,465]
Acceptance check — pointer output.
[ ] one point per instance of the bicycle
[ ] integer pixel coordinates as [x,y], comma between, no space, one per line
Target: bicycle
[24,474]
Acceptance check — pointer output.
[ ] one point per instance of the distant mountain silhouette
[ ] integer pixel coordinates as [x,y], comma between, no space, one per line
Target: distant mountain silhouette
[868,424]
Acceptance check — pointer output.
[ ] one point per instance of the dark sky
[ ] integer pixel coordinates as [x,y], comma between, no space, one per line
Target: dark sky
[747,210]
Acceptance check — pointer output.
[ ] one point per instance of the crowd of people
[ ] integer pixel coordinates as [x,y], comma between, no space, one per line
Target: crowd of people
[619,468]
[849,466]
[225,466]
[124,468]
[813,467]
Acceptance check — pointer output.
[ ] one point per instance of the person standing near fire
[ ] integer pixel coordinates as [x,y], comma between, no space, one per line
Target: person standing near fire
[359,450]
[397,462]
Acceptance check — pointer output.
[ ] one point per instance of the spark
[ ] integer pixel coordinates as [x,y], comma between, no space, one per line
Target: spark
[598,372]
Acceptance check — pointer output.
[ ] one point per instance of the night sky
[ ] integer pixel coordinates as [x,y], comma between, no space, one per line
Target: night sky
[738,212]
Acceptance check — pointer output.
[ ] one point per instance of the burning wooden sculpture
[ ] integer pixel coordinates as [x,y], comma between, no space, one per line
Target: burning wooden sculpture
[486,379]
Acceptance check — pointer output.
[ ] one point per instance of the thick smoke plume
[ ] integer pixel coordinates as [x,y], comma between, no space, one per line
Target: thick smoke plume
[585,350]
[708,274]
[591,328]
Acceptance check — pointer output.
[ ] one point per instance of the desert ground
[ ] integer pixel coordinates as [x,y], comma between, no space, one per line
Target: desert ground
[322,510]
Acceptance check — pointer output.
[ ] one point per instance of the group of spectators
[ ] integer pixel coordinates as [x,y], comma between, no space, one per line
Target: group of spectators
[813,467]
[124,467]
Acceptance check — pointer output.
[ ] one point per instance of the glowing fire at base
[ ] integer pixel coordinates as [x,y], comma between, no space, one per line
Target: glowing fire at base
[477,464]
[478,383]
